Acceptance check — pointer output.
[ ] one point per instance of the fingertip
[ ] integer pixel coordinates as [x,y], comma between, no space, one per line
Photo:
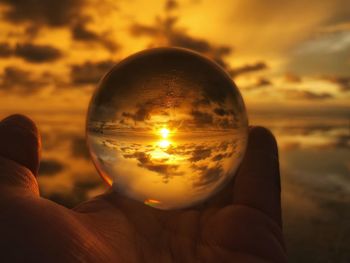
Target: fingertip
[261,138]
[257,183]
[20,121]
[20,141]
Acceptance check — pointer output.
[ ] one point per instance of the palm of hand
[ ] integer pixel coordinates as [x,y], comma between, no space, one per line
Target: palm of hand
[110,228]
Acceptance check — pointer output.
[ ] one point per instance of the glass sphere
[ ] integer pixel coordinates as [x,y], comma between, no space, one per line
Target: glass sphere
[167,127]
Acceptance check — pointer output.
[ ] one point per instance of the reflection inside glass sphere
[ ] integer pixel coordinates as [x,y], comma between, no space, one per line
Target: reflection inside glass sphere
[167,127]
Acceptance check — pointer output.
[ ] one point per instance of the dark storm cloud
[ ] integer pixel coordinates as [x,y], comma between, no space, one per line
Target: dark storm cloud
[42,12]
[89,72]
[200,153]
[50,167]
[201,118]
[292,78]
[37,53]
[342,82]
[24,81]
[209,176]
[79,148]
[307,95]
[259,66]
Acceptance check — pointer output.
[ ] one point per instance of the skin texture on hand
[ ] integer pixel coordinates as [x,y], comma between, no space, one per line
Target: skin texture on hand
[240,224]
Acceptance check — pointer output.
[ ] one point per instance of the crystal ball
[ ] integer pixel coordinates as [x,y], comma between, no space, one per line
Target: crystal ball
[167,127]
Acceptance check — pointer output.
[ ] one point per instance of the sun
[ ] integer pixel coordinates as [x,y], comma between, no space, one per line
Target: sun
[164,143]
[164,132]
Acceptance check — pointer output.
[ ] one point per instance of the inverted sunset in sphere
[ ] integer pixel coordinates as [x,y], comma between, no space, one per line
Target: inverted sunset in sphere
[167,127]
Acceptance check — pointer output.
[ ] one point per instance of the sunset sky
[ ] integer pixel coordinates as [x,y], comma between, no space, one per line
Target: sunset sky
[282,54]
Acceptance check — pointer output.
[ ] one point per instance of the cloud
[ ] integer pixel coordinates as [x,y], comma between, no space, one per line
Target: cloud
[200,153]
[89,72]
[165,33]
[221,156]
[143,110]
[263,82]
[170,5]
[5,50]
[56,13]
[201,118]
[292,78]
[50,167]
[259,66]
[221,112]
[31,52]
[141,114]
[259,84]
[81,32]
[22,80]
[53,13]
[209,176]
[37,53]
[307,95]
[342,82]
[144,159]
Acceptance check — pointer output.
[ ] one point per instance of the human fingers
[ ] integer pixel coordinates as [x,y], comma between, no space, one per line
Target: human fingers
[257,183]
[19,153]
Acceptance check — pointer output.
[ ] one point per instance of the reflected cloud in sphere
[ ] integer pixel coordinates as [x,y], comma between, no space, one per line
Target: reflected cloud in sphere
[167,127]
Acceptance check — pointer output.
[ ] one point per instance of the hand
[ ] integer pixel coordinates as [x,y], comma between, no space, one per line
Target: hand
[240,224]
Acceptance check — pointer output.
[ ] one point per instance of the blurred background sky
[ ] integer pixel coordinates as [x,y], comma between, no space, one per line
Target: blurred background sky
[290,60]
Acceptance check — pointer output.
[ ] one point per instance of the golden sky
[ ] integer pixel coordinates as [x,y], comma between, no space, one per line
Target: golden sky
[281,54]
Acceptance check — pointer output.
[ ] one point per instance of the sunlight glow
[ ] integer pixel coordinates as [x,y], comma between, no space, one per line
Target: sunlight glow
[164,132]
[164,144]
[159,154]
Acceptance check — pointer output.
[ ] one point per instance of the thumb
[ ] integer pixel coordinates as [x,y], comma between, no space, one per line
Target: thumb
[257,183]
[19,152]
